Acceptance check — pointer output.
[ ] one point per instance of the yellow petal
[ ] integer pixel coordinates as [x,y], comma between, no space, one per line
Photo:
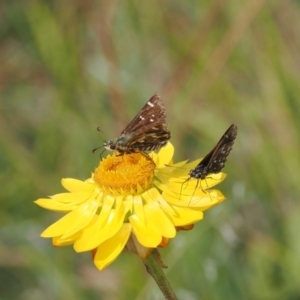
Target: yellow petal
[165,155]
[75,198]
[216,197]
[192,164]
[97,233]
[154,157]
[67,201]
[75,185]
[181,196]
[179,169]
[210,181]
[176,166]
[186,215]
[153,194]
[155,214]
[109,250]
[53,205]
[138,207]
[145,232]
[142,251]
[159,220]
[73,221]
[189,185]
[60,242]
[212,198]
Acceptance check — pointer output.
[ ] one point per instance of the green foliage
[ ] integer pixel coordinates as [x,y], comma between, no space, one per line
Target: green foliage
[68,67]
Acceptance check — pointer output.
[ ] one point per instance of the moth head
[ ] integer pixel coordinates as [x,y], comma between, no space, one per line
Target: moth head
[192,173]
[197,173]
[109,145]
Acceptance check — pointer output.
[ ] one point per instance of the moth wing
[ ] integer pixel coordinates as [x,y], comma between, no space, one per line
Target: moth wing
[157,135]
[214,161]
[151,115]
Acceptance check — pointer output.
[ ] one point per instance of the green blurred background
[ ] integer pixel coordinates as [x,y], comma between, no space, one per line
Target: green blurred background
[67,67]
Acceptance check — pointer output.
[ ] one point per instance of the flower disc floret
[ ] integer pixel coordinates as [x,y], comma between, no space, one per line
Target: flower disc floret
[127,174]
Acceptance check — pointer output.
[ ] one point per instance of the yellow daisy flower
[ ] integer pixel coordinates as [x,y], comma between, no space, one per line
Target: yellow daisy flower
[134,201]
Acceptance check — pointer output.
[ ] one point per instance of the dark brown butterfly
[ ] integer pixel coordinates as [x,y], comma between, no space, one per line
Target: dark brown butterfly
[147,131]
[215,160]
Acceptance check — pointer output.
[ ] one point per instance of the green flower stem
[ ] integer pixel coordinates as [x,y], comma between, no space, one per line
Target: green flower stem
[154,267]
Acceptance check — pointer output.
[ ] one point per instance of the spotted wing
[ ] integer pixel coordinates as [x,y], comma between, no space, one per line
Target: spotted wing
[148,129]
[215,160]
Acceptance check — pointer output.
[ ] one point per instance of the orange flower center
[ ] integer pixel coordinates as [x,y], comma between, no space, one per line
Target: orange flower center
[125,174]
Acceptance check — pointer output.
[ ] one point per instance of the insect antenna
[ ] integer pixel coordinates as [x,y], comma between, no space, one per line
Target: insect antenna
[98,129]
[94,150]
